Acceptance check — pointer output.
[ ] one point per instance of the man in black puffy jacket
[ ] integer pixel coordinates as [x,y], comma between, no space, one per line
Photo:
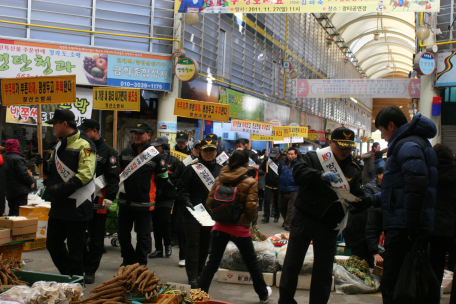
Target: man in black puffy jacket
[271,185]
[107,166]
[137,194]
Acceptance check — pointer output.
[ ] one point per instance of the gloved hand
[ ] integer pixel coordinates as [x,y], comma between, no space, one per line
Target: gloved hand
[330,177]
[38,160]
[189,204]
[414,234]
[107,204]
[360,206]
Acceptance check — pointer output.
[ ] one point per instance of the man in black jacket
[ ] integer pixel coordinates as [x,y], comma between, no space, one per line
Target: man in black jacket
[144,171]
[182,143]
[243,144]
[107,172]
[271,185]
[318,212]
[161,216]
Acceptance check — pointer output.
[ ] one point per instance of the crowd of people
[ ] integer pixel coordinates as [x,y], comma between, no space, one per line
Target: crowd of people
[408,196]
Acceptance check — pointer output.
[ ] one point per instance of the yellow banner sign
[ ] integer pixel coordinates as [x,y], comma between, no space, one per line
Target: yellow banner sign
[277,135]
[38,90]
[252,127]
[282,131]
[179,155]
[201,110]
[299,131]
[119,99]
[304,6]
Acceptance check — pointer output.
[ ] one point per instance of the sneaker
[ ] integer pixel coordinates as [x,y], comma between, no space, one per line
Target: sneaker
[269,295]
[182,263]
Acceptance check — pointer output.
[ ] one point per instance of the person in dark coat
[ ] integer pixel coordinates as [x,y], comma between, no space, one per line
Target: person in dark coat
[19,182]
[441,239]
[182,143]
[408,188]
[374,224]
[271,192]
[288,190]
[2,182]
[261,181]
[369,164]
[379,162]
[164,201]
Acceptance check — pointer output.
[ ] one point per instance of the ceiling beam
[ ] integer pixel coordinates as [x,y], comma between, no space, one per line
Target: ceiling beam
[386,53]
[385,69]
[370,45]
[362,18]
[381,31]
[388,61]
[396,73]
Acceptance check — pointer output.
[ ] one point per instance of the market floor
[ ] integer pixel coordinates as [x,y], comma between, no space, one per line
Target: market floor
[168,270]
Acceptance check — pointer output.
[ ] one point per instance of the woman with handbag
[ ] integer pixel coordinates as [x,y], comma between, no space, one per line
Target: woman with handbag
[233,177]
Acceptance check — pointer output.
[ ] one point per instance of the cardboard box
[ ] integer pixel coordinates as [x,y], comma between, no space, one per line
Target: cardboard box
[23,237]
[303,281]
[242,277]
[5,236]
[19,226]
[42,213]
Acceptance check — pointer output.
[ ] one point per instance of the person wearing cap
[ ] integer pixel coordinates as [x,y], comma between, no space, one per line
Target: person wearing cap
[182,143]
[147,173]
[193,189]
[318,212]
[75,156]
[379,162]
[271,185]
[161,216]
[212,136]
[107,166]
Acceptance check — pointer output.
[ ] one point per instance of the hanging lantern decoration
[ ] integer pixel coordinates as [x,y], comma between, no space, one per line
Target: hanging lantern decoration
[329,41]
[346,60]
[293,74]
[191,18]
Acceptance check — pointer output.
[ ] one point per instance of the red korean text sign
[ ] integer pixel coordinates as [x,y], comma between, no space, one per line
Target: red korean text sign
[201,110]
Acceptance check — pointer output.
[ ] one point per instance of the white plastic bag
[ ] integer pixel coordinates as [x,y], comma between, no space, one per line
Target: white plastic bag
[308,261]
[19,293]
[263,246]
[347,283]
[47,293]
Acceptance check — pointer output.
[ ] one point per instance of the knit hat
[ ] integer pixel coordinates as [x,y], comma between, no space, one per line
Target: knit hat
[13,146]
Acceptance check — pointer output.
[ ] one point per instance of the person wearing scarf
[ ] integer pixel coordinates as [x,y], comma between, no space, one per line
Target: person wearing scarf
[19,182]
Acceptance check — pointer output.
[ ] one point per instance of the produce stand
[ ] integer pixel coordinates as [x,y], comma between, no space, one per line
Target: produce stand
[31,277]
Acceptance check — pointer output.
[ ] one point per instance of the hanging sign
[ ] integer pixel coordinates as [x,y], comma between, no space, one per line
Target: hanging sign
[201,110]
[252,127]
[302,6]
[425,63]
[186,69]
[313,135]
[120,99]
[38,90]
[336,88]
[298,131]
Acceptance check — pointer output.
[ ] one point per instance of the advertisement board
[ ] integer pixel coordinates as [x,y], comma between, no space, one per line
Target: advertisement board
[445,72]
[242,106]
[91,66]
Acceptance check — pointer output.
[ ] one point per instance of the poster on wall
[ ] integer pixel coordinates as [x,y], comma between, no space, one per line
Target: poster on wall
[200,90]
[303,6]
[82,109]
[242,106]
[372,88]
[276,114]
[445,72]
[91,66]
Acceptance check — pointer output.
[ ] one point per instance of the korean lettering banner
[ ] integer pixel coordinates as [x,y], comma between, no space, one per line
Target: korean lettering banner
[39,90]
[277,135]
[201,110]
[28,114]
[302,6]
[116,99]
[252,127]
[242,106]
[91,66]
[298,131]
[346,88]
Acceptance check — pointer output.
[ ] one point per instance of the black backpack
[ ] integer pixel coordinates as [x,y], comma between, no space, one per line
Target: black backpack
[226,207]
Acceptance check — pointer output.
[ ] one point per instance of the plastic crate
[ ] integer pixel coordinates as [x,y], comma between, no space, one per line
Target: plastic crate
[37,244]
[31,277]
[12,251]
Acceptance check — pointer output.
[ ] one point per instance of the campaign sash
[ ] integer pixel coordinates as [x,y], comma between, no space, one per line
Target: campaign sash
[187,161]
[100,184]
[135,164]
[329,164]
[273,167]
[204,174]
[222,158]
[82,194]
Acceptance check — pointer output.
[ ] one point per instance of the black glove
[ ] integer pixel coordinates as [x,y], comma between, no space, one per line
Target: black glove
[414,234]
[38,160]
[189,204]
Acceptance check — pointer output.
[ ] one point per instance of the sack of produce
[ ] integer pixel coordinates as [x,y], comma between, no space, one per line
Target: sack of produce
[47,293]
[232,258]
[353,276]
[307,266]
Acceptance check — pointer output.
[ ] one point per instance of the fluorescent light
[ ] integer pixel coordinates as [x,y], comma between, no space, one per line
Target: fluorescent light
[354,100]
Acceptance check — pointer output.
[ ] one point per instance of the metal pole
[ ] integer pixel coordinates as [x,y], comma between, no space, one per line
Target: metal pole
[39,137]
[114,131]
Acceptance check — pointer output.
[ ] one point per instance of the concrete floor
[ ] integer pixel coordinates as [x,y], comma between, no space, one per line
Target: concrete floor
[167,269]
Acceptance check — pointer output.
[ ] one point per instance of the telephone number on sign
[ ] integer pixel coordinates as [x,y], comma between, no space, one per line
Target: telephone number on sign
[140,85]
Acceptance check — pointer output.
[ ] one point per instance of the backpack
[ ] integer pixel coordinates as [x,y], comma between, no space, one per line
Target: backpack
[226,207]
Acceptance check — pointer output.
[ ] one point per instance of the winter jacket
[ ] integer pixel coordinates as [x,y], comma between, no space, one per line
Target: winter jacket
[253,155]
[186,150]
[18,179]
[374,224]
[79,154]
[286,181]
[369,164]
[378,163]
[271,178]
[445,207]
[315,198]
[167,193]
[408,187]
[248,193]
[261,176]
[3,166]
[141,186]
[107,165]
[355,231]
[191,188]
